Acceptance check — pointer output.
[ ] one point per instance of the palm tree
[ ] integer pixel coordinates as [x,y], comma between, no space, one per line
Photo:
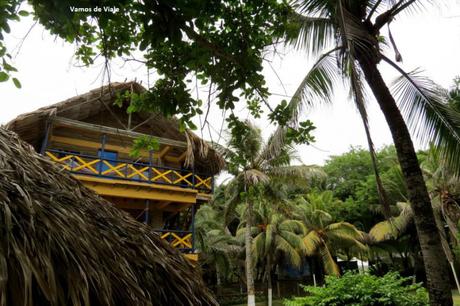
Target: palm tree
[217,246]
[321,235]
[347,35]
[395,227]
[274,236]
[254,163]
[444,187]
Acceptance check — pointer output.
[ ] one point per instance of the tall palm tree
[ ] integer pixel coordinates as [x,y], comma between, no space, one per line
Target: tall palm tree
[253,164]
[321,235]
[274,236]
[346,35]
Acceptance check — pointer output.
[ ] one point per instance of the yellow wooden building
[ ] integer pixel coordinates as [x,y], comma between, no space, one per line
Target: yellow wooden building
[92,138]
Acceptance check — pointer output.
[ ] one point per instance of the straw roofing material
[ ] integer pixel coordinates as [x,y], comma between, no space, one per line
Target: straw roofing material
[61,244]
[31,126]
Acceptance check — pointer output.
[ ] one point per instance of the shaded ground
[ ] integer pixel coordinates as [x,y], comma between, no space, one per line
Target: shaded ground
[280,303]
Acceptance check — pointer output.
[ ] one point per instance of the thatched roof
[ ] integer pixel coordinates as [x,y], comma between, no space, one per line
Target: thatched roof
[97,105]
[61,244]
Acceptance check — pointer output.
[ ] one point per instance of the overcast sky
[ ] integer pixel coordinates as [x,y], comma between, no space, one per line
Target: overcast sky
[430,40]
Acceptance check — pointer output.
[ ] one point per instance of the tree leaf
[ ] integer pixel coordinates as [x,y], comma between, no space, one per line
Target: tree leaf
[17,83]
[4,76]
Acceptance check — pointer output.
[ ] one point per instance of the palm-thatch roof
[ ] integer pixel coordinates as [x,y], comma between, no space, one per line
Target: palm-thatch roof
[97,106]
[61,244]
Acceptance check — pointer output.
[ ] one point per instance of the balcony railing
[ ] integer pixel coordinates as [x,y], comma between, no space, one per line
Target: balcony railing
[129,170]
[182,240]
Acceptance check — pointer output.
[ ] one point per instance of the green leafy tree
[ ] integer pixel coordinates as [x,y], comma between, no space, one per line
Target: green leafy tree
[346,35]
[351,179]
[218,42]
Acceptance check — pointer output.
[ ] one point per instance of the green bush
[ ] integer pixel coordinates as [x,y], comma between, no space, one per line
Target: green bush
[364,290]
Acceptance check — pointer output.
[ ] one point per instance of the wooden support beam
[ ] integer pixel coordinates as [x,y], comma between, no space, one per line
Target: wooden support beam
[163,152]
[182,157]
[134,190]
[162,204]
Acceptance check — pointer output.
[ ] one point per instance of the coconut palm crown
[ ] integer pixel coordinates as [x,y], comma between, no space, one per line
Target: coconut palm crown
[254,164]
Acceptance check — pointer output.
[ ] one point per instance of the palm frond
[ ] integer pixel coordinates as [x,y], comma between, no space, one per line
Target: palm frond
[319,8]
[246,145]
[312,34]
[311,242]
[294,226]
[328,262]
[393,227]
[424,106]
[345,233]
[318,84]
[253,177]
[259,249]
[289,251]
[304,172]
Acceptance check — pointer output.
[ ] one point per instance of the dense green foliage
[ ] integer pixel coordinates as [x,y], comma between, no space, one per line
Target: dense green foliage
[9,11]
[351,179]
[364,290]
[209,41]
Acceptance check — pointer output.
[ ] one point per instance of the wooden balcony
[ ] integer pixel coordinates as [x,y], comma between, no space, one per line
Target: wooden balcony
[131,171]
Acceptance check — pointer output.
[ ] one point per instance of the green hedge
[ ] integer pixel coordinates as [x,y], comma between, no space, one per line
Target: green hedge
[364,290]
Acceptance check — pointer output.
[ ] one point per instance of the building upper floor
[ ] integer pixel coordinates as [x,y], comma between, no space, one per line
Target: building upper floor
[92,135]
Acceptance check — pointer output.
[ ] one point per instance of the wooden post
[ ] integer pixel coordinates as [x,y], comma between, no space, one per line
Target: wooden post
[193,227]
[103,142]
[45,138]
[150,165]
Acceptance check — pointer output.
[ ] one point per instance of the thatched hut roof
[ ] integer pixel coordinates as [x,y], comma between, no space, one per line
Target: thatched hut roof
[61,244]
[97,106]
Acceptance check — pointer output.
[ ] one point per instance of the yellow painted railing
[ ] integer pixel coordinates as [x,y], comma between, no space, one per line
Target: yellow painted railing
[178,239]
[135,171]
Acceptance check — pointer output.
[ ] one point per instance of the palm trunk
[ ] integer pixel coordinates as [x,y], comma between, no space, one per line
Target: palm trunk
[249,270]
[218,280]
[383,198]
[269,280]
[436,267]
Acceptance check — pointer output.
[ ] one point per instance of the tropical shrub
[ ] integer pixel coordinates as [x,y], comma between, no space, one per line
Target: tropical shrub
[364,289]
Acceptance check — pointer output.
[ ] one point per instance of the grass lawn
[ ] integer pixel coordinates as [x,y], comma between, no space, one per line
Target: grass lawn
[456,297]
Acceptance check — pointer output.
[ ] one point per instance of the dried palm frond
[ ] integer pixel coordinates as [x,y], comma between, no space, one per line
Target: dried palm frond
[61,244]
[199,150]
